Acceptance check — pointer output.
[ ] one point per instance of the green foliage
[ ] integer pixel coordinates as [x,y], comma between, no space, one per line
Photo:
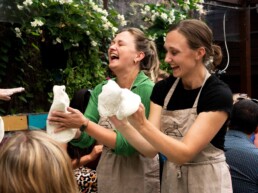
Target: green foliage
[59,42]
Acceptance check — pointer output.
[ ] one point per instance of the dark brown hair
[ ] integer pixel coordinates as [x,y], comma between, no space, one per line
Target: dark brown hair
[198,34]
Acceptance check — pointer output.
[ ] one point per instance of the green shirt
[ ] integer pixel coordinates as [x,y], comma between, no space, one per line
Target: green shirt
[143,87]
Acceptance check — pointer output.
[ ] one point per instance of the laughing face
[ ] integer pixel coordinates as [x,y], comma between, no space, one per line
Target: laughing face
[180,56]
[122,52]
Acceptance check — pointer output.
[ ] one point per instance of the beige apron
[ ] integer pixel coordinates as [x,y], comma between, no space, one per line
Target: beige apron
[126,174]
[208,172]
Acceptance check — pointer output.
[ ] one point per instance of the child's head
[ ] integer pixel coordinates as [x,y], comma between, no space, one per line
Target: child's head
[31,161]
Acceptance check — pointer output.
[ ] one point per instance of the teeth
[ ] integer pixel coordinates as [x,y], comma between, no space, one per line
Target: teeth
[113,55]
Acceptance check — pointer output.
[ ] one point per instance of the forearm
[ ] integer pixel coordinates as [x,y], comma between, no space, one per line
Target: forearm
[104,136]
[137,140]
[83,161]
[173,149]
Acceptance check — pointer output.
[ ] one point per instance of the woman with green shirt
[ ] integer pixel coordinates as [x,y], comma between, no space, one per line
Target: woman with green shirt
[121,168]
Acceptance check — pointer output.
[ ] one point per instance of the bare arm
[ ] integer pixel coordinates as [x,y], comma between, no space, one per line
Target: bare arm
[88,158]
[6,93]
[133,136]
[199,135]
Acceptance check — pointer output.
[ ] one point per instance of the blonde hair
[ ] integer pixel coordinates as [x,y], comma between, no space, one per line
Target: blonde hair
[150,63]
[32,162]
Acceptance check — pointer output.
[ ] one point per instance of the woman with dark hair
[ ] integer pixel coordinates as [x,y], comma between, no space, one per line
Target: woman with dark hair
[188,115]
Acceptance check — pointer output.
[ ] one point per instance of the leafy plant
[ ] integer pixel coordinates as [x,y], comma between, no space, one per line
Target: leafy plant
[158,17]
[61,42]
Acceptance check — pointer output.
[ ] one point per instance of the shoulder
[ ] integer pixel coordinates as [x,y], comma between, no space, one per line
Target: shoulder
[216,95]
[161,89]
[165,84]
[239,142]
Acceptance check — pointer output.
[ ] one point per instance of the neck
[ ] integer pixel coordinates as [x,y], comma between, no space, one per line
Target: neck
[126,81]
[194,80]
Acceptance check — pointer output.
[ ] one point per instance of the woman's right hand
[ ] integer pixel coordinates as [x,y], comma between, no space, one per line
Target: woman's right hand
[96,151]
[73,119]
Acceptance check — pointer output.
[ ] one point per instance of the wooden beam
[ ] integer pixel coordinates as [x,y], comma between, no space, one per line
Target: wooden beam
[105,4]
[236,2]
[245,51]
[239,2]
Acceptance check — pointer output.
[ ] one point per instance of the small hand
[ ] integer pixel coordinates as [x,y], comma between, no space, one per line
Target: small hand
[97,149]
[138,119]
[6,93]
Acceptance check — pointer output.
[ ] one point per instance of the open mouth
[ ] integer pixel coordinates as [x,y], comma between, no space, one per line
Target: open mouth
[174,67]
[114,56]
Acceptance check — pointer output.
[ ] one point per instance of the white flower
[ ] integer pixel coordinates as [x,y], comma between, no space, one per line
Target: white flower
[143,12]
[200,9]
[104,19]
[104,12]
[65,1]
[122,20]
[123,23]
[27,2]
[120,17]
[88,33]
[18,32]
[143,27]
[187,2]
[20,7]
[147,8]
[93,43]
[105,26]
[75,45]
[186,7]
[95,7]
[164,16]
[43,4]
[172,13]
[153,17]
[36,23]
[114,30]
[58,40]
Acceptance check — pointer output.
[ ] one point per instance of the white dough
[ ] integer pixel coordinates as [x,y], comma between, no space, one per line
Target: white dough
[129,104]
[60,103]
[109,99]
[114,100]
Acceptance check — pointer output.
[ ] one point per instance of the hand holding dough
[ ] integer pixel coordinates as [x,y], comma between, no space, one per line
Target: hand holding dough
[114,100]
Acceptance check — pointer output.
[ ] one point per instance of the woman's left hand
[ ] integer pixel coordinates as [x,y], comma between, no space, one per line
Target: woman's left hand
[118,123]
[73,119]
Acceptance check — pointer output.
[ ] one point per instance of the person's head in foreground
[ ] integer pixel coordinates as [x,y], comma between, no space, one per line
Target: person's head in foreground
[244,116]
[32,162]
